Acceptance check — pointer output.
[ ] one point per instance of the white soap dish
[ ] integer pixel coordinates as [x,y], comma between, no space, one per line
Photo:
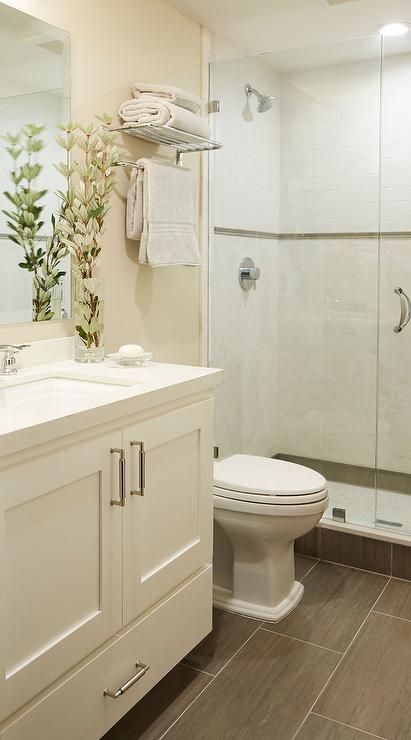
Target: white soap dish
[139,361]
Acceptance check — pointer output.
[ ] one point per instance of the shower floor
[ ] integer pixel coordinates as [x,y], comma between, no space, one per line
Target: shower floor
[354,489]
[386,509]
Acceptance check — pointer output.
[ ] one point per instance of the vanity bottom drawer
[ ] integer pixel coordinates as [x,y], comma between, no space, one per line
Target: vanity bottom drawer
[77,707]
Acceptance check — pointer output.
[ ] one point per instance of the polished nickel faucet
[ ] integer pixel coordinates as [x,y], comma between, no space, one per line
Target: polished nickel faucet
[8,365]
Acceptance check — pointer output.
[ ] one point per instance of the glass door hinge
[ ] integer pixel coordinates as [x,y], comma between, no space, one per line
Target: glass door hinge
[213,106]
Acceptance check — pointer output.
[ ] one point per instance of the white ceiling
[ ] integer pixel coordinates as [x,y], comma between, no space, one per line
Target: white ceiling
[258,26]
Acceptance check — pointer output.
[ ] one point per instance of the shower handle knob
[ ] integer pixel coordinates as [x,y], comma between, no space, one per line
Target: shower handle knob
[251,273]
[248,273]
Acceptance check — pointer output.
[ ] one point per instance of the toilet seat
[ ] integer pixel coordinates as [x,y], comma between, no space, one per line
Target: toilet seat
[263,480]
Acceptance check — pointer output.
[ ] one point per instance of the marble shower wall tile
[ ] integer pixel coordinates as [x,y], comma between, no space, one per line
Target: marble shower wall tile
[246,172]
[328,349]
[330,148]
[244,340]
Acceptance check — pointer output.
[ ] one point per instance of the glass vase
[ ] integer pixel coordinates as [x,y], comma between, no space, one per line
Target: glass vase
[89,319]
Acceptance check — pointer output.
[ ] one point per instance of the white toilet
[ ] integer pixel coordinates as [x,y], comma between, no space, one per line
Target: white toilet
[262,505]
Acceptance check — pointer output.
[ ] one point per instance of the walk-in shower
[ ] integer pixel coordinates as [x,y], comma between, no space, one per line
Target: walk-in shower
[318,195]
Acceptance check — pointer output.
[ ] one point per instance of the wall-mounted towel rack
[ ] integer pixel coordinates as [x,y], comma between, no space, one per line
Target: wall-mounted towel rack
[182,141]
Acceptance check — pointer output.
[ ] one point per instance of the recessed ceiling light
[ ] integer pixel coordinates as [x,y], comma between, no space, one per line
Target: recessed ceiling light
[394,29]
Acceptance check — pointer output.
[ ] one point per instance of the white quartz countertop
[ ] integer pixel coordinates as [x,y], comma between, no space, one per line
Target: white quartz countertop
[45,402]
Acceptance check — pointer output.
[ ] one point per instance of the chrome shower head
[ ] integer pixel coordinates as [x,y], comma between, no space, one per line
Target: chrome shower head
[264,102]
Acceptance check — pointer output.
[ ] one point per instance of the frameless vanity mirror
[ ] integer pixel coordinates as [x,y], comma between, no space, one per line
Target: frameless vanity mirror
[34,99]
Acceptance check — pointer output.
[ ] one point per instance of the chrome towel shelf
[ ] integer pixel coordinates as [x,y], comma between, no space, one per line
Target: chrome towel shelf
[180,140]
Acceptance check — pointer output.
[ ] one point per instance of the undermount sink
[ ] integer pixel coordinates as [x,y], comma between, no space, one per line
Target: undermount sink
[53,396]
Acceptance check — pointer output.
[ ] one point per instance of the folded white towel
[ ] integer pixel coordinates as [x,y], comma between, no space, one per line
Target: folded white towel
[149,110]
[166,92]
[161,208]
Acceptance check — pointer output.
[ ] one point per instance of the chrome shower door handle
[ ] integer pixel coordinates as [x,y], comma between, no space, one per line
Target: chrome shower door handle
[405,314]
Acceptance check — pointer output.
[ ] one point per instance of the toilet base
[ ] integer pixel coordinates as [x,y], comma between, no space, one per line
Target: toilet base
[224,600]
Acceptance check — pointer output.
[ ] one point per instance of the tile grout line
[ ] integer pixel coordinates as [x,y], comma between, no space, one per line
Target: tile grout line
[309,571]
[343,724]
[193,667]
[209,683]
[354,567]
[305,642]
[403,580]
[340,661]
[391,616]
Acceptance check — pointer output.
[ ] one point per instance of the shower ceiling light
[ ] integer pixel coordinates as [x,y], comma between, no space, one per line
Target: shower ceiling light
[394,29]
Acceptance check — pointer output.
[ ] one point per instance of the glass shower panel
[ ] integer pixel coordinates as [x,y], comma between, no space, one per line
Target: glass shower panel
[394,389]
[297,189]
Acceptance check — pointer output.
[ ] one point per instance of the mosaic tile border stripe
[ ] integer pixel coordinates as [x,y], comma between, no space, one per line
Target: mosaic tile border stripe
[312,235]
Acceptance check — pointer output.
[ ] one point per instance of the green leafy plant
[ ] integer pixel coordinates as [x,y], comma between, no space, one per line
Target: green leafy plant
[89,169]
[41,256]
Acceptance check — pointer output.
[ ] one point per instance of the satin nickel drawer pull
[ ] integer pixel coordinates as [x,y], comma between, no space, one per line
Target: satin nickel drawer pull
[121,477]
[142,670]
[141,467]
[405,310]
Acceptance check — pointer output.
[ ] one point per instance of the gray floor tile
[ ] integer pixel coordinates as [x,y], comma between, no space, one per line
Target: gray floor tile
[371,688]
[401,561]
[152,716]
[396,600]
[336,601]
[309,544]
[303,565]
[230,631]
[356,551]
[318,728]
[262,694]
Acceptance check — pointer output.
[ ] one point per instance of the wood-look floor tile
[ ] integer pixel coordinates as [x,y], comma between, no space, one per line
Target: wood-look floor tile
[309,544]
[303,565]
[371,688]
[401,561]
[356,551]
[318,728]
[396,600]
[230,631]
[336,601]
[262,694]
[154,714]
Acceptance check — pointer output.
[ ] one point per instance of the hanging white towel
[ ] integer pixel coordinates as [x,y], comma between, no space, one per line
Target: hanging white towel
[175,95]
[161,209]
[163,113]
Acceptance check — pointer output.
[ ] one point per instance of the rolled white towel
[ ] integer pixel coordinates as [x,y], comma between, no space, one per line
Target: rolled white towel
[175,95]
[161,113]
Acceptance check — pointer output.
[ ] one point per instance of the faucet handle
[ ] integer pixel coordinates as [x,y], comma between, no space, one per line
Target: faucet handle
[8,360]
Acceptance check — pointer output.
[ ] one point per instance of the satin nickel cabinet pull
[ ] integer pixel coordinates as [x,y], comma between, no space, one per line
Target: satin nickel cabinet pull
[131,681]
[405,314]
[121,477]
[141,467]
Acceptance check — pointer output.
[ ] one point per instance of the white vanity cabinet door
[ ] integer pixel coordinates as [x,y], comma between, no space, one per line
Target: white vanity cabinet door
[168,530]
[60,564]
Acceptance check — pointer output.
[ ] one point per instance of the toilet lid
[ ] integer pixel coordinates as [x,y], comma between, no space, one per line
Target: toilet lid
[266,477]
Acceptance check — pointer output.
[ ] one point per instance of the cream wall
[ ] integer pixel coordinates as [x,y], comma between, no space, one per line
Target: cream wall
[113,45]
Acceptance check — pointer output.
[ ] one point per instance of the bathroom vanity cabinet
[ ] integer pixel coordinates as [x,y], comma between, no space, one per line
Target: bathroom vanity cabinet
[106,547]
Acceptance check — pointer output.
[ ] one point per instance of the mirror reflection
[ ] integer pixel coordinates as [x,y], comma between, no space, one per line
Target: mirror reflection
[34,100]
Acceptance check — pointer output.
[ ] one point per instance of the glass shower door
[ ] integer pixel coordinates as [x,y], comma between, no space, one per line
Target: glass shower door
[296,188]
[394,371]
